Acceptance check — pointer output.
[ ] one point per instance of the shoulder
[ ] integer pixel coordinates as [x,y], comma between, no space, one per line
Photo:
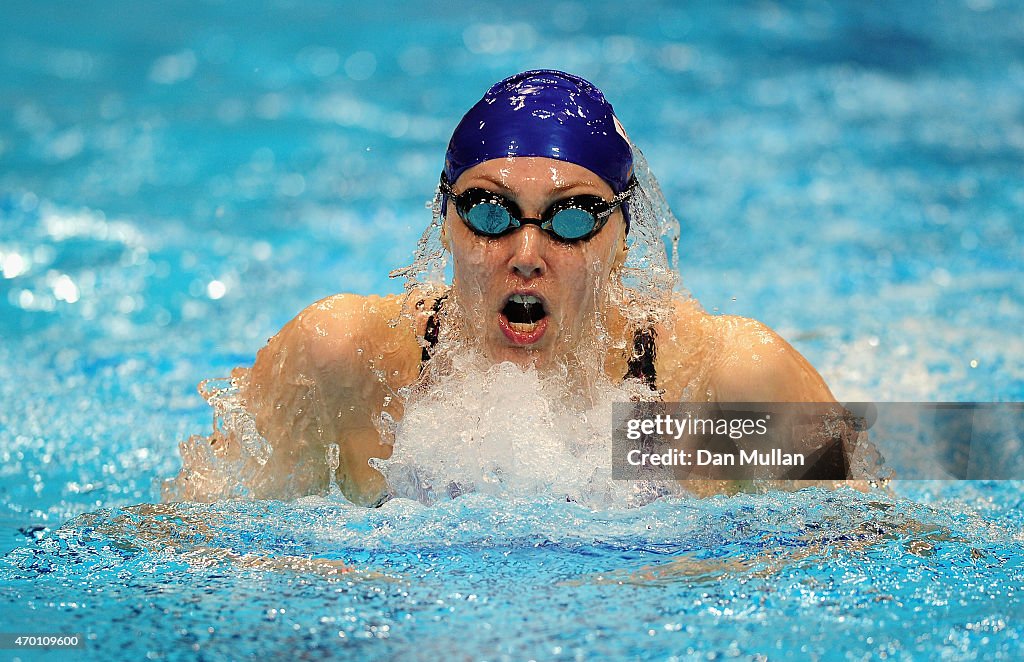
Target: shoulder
[338,339]
[753,363]
[335,327]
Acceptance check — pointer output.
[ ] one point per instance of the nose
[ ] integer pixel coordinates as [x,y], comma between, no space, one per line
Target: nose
[529,246]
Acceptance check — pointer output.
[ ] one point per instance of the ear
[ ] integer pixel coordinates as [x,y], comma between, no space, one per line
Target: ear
[445,241]
[620,254]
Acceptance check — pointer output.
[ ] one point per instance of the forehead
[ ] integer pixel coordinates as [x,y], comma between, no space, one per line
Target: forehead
[533,173]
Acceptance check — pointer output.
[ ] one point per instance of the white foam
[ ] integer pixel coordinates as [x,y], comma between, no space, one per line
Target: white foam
[505,429]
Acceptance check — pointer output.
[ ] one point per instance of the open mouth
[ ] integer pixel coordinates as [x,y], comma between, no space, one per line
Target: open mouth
[523,319]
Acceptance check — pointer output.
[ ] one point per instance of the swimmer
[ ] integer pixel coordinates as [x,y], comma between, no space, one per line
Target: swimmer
[539,205]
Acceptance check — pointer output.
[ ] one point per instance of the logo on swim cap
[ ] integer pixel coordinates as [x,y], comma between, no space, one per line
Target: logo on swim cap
[543,113]
[619,129]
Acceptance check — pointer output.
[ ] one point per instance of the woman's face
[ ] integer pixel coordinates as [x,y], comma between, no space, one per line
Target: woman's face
[500,282]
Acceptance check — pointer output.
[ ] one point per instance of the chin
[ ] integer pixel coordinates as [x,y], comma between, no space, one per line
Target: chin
[537,356]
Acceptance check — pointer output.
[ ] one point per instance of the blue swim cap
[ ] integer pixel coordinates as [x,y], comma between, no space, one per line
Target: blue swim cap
[543,113]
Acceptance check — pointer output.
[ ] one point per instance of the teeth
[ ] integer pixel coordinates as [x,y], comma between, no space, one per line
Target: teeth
[527,299]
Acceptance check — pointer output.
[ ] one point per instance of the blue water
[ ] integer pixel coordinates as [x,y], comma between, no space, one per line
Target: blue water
[178,179]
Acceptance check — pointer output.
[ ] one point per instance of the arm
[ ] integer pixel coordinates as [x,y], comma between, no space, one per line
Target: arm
[754,364]
[314,384]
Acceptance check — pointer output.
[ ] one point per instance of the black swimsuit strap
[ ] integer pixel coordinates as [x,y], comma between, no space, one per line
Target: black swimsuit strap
[641,360]
[432,329]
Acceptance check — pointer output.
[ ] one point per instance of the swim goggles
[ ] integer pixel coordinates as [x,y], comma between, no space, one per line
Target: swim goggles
[573,219]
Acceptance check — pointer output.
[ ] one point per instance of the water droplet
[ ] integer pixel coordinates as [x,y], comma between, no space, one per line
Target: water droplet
[333,457]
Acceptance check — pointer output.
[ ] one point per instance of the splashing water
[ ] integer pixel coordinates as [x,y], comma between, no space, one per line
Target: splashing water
[512,431]
[228,463]
[333,457]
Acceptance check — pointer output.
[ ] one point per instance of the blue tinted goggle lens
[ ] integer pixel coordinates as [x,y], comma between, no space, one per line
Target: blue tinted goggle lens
[488,218]
[574,223]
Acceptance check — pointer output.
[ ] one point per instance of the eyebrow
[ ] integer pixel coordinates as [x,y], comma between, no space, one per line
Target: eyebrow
[558,188]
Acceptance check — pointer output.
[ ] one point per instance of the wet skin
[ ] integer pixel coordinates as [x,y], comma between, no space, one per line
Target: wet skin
[330,373]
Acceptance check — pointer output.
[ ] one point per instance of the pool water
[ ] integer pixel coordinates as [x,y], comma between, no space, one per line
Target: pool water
[177,180]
